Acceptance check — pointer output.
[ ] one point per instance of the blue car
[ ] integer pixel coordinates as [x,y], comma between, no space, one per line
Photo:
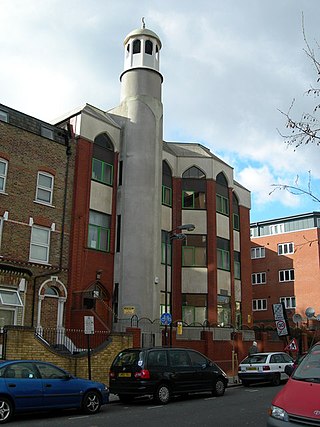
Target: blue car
[30,385]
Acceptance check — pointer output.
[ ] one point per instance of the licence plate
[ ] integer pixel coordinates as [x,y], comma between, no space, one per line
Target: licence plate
[124,374]
[251,368]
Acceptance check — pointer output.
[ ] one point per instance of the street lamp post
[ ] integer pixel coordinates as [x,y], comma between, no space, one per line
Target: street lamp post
[169,236]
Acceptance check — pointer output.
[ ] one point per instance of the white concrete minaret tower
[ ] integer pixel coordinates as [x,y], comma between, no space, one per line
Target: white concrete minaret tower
[139,198]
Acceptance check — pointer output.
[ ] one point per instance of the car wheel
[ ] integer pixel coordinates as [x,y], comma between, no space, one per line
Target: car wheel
[91,402]
[162,394]
[6,410]
[276,380]
[125,398]
[219,387]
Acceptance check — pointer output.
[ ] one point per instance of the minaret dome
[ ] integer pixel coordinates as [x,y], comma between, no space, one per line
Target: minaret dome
[142,48]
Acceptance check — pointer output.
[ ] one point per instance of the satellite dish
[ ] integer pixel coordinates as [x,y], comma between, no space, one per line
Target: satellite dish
[310,312]
[297,318]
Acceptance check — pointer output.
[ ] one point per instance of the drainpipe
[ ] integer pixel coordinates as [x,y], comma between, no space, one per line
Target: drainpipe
[67,137]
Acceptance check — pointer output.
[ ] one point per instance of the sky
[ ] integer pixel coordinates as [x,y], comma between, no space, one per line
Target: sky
[229,66]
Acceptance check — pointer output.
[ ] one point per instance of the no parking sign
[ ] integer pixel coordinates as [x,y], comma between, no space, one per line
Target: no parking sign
[280,319]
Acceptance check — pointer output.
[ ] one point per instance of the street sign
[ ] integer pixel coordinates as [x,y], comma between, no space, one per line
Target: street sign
[89,325]
[280,319]
[166,319]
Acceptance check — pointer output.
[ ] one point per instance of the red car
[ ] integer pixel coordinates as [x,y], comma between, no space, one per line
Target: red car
[298,404]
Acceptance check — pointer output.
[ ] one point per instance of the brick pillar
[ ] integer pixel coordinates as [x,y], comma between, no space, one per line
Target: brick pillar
[136,335]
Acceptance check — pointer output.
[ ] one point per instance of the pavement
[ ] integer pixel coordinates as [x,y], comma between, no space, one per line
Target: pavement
[233,381]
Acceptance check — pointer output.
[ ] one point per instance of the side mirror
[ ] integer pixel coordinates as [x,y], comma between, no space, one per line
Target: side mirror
[289,370]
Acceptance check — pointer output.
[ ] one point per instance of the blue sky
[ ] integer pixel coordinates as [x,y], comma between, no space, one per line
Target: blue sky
[228,67]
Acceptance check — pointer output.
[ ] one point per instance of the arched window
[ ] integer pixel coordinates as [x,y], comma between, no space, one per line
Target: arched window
[148,47]
[136,47]
[52,291]
[193,189]
[103,159]
[222,194]
[166,184]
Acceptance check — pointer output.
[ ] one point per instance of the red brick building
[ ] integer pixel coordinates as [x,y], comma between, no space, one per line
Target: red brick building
[36,181]
[285,255]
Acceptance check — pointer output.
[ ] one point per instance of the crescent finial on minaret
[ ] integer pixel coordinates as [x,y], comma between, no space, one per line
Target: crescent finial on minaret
[143,23]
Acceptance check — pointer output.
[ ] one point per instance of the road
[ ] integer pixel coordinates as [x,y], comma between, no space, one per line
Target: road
[239,407]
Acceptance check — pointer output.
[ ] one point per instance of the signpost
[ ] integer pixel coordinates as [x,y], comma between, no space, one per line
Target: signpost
[280,320]
[89,330]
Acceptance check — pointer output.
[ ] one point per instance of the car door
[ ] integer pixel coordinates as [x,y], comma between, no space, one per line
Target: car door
[277,364]
[59,389]
[23,384]
[181,371]
[203,375]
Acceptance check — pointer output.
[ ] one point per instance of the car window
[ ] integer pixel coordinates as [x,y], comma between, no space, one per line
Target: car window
[130,358]
[197,359]
[276,358]
[179,358]
[48,371]
[255,359]
[309,366]
[20,371]
[287,358]
[157,358]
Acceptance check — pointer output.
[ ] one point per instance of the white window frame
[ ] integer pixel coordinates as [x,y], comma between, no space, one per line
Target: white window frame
[290,271]
[43,188]
[45,245]
[285,248]
[276,229]
[4,176]
[259,304]
[258,252]
[289,302]
[4,116]
[259,278]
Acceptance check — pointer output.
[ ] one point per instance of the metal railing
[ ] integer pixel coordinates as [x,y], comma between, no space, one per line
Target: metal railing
[71,341]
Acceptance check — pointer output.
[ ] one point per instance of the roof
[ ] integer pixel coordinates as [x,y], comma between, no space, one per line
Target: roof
[142,32]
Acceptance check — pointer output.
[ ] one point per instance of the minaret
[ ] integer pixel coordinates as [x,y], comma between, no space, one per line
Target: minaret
[139,199]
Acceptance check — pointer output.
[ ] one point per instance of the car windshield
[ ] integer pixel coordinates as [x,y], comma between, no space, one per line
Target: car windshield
[127,358]
[255,358]
[309,367]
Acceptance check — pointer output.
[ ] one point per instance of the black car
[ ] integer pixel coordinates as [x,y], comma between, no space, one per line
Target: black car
[163,372]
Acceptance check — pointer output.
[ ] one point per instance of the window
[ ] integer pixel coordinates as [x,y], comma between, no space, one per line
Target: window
[193,200]
[259,305]
[4,116]
[224,310]
[194,308]
[285,248]
[163,248]
[222,197]
[289,302]
[259,252]
[235,210]
[194,173]
[102,171]
[99,231]
[237,265]
[1,226]
[46,132]
[194,251]
[236,222]
[223,254]
[276,229]
[148,47]
[286,275]
[44,190]
[166,196]
[136,47]
[222,205]
[40,242]
[3,174]
[258,278]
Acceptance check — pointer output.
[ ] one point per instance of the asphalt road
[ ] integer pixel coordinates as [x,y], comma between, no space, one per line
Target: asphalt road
[239,406]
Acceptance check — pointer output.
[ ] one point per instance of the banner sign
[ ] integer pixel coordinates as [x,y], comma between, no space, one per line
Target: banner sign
[280,319]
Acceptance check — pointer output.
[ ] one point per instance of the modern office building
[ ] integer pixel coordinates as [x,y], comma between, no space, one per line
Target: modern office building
[285,256]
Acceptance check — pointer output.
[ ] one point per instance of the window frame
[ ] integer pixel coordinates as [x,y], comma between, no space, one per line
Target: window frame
[262,302]
[225,257]
[4,176]
[99,228]
[285,248]
[165,191]
[222,203]
[289,302]
[259,252]
[263,278]
[290,272]
[49,190]
[40,244]
[195,196]
[4,116]
[102,180]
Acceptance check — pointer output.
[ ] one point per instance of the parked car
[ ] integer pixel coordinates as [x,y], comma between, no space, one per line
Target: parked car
[297,404]
[264,367]
[163,372]
[29,385]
